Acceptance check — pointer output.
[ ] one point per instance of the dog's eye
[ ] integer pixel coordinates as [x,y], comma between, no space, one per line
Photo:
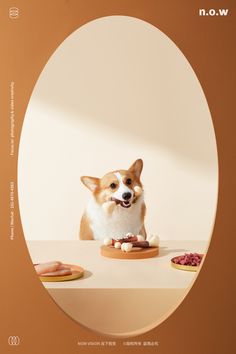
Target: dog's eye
[129,181]
[113,185]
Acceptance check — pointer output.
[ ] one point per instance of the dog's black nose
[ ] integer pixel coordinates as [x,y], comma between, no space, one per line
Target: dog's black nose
[126,196]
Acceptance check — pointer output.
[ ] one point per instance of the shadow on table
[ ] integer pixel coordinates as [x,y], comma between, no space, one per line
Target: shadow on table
[163,251]
[87,274]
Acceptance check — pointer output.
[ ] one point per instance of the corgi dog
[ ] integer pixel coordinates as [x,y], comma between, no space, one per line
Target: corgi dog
[116,206]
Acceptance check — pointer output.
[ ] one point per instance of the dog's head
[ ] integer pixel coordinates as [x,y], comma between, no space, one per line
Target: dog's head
[121,186]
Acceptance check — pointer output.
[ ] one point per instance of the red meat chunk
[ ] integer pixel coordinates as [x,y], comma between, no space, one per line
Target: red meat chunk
[192,259]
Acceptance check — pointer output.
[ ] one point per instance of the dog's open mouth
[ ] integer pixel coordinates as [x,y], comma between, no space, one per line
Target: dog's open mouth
[124,204]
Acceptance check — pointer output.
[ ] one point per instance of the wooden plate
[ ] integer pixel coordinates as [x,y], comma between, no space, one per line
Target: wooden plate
[77,272]
[184,267]
[136,252]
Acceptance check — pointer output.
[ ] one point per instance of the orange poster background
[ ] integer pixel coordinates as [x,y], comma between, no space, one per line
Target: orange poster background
[202,323]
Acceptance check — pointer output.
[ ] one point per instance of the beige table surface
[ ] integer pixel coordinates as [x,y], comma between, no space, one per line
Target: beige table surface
[101,272]
[106,299]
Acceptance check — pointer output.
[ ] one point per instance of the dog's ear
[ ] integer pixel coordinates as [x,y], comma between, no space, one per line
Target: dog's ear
[137,167]
[90,182]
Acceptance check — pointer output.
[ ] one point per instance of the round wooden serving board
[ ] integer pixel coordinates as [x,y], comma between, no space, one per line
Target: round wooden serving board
[77,272]
[136,252]
[185,267]
[188,268]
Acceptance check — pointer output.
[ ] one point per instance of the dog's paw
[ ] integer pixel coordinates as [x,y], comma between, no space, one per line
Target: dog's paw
[109,207]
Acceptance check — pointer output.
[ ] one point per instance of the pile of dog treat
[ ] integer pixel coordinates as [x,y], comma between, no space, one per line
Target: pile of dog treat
[189,259]
[127,243]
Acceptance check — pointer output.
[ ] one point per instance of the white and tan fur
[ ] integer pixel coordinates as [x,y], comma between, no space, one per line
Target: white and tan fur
[107,213]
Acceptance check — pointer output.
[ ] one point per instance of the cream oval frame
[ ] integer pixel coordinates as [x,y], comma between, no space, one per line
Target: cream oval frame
[141,26]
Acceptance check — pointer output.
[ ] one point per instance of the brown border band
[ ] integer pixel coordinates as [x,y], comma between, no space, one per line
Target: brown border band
[26,44]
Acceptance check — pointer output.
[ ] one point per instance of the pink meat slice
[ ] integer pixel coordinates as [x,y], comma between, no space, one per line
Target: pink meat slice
[52,268]
[59,272]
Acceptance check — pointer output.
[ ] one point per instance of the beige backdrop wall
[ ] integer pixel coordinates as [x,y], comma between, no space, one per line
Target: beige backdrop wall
[118,89]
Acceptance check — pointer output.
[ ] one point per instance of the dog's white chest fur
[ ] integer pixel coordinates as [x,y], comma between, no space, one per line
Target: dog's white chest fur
[118,224]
